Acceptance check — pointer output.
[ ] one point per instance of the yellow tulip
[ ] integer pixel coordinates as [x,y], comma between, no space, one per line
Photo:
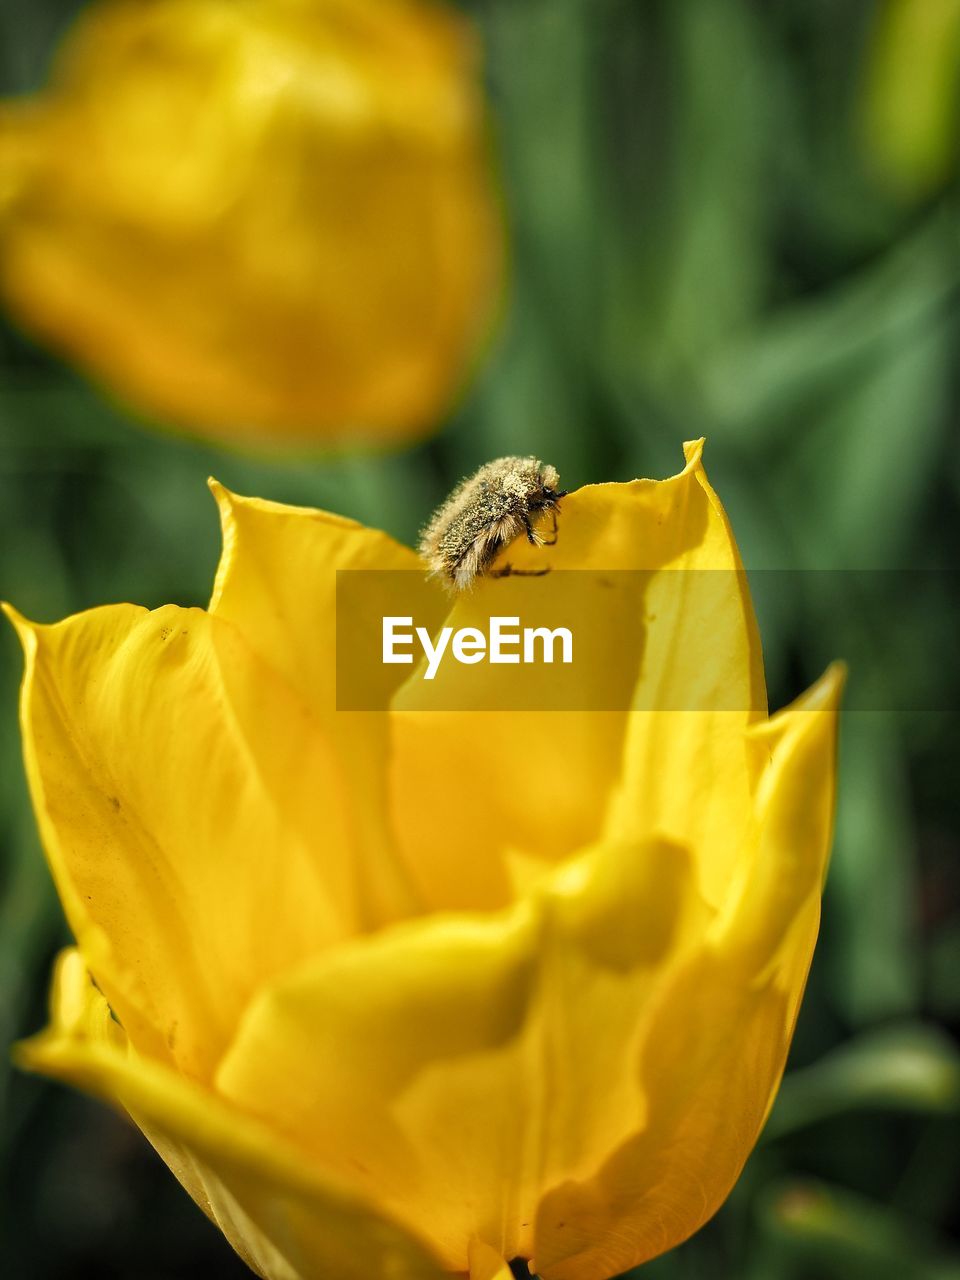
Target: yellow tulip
[261,219]
[420,991]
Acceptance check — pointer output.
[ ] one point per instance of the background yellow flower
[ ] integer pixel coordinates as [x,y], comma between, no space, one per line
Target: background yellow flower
[392,997]
[271,219]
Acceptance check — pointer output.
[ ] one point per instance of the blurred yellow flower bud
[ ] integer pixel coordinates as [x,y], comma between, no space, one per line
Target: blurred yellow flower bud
[401,992]
[262,219]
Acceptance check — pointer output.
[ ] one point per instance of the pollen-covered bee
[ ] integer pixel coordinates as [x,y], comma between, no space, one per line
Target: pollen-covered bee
[485,513]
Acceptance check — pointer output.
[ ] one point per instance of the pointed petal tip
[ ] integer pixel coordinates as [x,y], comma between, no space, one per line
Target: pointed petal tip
[693,451]
[32,1054]
[225,498]
[232,503]
[693,469]
[13,615]
[25,629]
[823,697]
[19,1055]
[825,693]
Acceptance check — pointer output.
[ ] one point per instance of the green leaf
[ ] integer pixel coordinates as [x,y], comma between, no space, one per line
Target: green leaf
[871,889]
[838,1234]
[907,1068]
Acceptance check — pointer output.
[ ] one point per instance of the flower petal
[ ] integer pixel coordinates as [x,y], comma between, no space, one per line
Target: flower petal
[716,1041]
[685,768]
[277,581]
[546,778]
[284,1219]
[459,1066]
[300,190]
[187,803]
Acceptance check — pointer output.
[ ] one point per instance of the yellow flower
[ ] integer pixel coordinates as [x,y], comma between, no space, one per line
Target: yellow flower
[419,991]
[269,218]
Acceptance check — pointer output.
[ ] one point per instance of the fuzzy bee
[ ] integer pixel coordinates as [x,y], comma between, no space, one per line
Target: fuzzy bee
[485,513]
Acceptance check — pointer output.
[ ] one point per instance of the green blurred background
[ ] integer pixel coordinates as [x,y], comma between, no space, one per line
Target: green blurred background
[735,218]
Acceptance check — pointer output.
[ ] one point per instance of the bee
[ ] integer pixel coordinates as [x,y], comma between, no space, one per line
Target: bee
[485,513]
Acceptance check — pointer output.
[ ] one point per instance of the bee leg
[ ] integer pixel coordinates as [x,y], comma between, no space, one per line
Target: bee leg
[507,572]
[552,540]
[536,538]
